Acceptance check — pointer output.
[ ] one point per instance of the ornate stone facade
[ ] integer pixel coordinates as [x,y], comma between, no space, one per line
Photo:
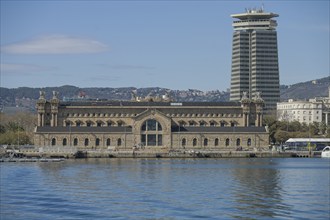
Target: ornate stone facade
[149,124]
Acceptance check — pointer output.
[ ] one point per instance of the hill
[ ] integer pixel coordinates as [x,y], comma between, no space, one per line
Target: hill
[25,97]
[306,90]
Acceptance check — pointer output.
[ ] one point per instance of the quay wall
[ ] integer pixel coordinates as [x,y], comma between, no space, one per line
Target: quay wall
[173,154]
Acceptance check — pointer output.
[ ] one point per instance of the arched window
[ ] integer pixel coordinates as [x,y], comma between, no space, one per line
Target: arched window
[86,142]
[238,142]
[249,142]
[194,142]
[206,141]
[227,142]
[53,141]
[64,142]
[183,142]
[75,142]
[97,141]
[151,125]
[108,142]
[216,142]
[192,123]
[151,133]
[213,124]
[119,142]
[120,123]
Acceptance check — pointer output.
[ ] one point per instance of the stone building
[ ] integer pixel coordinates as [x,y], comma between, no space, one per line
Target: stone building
[150,124]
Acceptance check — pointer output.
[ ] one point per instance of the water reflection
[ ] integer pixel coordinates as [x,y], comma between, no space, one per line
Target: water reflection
[259,189]
[166,189]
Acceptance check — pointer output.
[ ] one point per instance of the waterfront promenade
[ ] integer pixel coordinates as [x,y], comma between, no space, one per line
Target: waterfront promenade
[73,152]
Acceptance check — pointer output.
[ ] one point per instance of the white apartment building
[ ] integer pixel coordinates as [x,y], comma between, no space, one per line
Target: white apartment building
[313,110]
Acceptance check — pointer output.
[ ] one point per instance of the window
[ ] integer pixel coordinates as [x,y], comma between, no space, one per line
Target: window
[238,142]
[151,125]
[88,124]
[64,142]
[53,141]
[232,124]
[206,141]
[249,142]
[119,142]
[194,142]
[227,142]
[86,142]
[222,124]
[99,124]
[216,142]
[202,124]
[109,123]
[183,142]
[75,142]
[151,133]
[97,141]
[192,123]
[212,124]
[78,123]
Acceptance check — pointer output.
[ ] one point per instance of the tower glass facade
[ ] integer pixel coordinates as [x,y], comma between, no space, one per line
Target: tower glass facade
[255,57]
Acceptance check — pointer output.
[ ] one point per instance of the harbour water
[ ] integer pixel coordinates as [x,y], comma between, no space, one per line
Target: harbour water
[240,188]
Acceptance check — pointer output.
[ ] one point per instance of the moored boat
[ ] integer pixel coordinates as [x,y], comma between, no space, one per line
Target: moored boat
[326,152]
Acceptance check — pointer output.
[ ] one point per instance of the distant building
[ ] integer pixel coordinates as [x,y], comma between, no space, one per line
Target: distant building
[313,110]
[255,57]
[152,123]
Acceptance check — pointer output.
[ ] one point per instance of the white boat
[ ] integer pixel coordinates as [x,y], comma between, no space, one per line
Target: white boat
[326,152]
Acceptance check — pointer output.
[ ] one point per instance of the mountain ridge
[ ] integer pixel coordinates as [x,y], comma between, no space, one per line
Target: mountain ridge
[26,96]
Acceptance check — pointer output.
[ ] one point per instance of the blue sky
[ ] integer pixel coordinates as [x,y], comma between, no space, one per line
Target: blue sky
[171,44]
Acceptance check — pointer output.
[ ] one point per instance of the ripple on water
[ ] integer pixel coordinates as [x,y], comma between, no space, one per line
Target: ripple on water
[166,189]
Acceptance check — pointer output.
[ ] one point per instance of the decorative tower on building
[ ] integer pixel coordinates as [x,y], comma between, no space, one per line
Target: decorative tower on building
[255,57]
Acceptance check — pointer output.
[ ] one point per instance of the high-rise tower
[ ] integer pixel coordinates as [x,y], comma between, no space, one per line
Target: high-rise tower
[255,57]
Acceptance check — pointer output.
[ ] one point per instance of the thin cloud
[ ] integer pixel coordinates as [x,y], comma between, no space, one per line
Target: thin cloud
[15,68]
[56,44]
[127,67]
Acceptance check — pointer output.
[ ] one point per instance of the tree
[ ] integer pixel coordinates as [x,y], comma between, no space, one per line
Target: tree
[323,127]
[17,128]
[314,128]
[294,126]
[281,136]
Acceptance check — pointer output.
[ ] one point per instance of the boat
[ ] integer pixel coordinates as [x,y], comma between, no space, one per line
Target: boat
[326,152]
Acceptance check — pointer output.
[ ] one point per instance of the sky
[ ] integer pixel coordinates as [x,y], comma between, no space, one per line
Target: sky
[170,44]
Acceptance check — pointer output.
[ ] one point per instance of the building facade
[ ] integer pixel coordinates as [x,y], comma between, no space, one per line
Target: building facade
[255,65]
[161,124]
[313,110]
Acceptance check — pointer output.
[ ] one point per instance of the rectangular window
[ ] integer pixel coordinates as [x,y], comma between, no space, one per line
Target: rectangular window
[151,140]
[143,139]
[160,140]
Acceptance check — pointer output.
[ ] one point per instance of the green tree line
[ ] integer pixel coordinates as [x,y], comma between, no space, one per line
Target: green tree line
[281,131]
